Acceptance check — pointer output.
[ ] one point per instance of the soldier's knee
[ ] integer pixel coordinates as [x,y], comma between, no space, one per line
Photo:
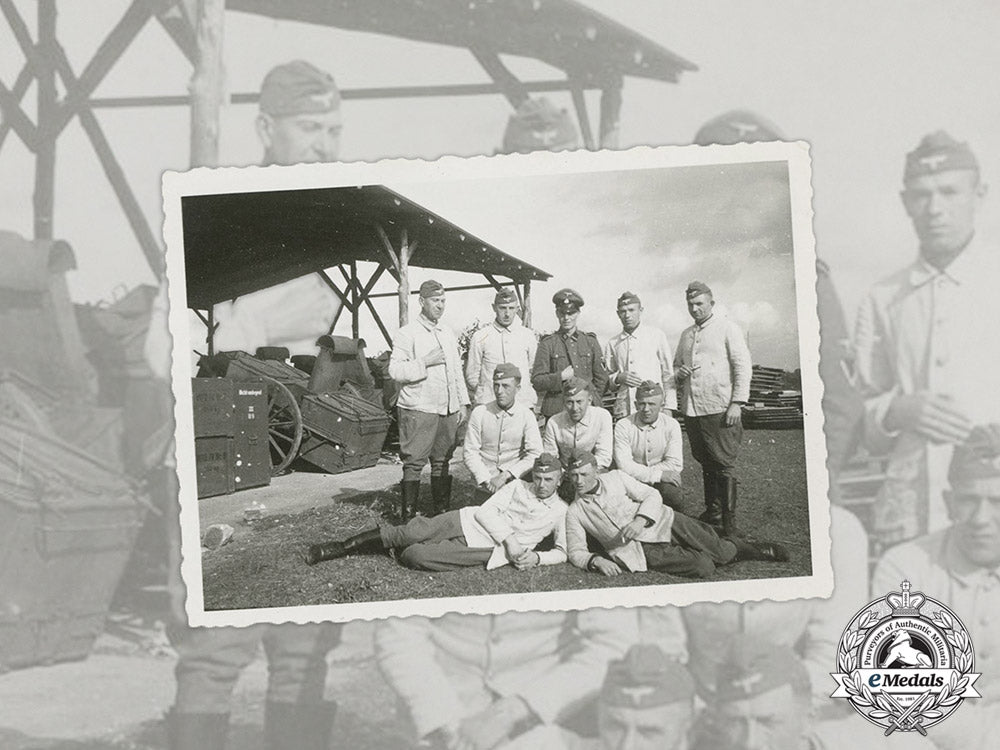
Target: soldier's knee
[414,556]
[703,566]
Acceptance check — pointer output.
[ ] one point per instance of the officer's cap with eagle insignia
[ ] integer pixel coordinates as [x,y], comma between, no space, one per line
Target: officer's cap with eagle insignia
[567,299]
[939,152]
[646,678]
[751,666]
[297,88]
[737,126]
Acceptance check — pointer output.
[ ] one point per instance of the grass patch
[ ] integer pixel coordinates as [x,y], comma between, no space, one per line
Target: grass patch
[264,568]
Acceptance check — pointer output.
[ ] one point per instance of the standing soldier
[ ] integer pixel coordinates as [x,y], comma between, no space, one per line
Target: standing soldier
[926,340]
[299,121]
[567,353]
[638,353]
[433,399]
[503,340]
[712,370]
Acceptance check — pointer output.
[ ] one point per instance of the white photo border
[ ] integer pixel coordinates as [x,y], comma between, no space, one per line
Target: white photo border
[203,181]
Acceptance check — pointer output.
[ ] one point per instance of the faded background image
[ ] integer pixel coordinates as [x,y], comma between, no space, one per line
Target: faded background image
[862,83]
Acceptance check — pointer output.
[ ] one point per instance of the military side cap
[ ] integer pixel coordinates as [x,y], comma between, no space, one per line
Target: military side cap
[575,385]
[974,461]
[628,298]
[505,296]
[539,125]
[431,288]
[546,462]
[648,388]
[506,370]
[695,288]
[737,126]
[646,678]
[567,298]
[297,88]
[581,458]
[939,152]
[752,666]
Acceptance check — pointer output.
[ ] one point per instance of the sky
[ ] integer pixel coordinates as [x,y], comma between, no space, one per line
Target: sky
[860,81]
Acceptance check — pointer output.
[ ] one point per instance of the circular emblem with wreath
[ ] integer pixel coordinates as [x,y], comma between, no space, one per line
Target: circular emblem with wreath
[905,662]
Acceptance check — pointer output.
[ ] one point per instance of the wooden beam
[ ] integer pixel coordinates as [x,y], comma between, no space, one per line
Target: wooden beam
[116,176]
[207,89]
[462,288]
[403,293]
[355,289]
[14,118]
[506,81]
[393,92]
[109,52]
[330,283]
[16,94]
[526,304]
[580,102]
[610,118]
[176,21]
[43,200]
[494,283]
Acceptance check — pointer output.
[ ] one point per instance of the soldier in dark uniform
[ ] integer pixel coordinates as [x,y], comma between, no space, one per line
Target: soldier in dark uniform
[567,353]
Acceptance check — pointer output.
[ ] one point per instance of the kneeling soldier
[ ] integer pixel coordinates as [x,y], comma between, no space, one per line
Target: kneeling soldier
[505,529]
[649,447]
[638,533]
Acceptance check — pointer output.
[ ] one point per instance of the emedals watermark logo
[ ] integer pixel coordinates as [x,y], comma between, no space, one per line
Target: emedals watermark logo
[905,662]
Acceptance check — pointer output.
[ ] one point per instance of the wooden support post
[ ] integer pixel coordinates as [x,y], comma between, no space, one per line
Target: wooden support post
[13,97]
[404,280]
[611,106]
[356,298]
[210,334]
[45,151]
[580,102]
[526,307]
[507,82]
[207,88]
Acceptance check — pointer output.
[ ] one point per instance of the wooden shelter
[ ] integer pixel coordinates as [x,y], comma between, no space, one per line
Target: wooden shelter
[239,243]
[593,52]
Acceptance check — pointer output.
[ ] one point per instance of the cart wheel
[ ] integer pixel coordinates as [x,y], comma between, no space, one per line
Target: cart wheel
[284,425]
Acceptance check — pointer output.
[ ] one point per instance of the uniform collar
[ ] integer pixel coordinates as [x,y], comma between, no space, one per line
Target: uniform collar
[966,266]
[500,329]
[711,319]
[573,335]
[634,333]
[584,422]
[428,324]
[598,489]
[641,426]
[497,409]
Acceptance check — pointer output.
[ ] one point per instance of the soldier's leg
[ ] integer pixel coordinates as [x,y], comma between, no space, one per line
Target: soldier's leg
[696,427]
[443,448]
[722,445]
[665,557]
[416,438]
[452,554]
[421,529]
[296,714]
[694,535]
[672,495]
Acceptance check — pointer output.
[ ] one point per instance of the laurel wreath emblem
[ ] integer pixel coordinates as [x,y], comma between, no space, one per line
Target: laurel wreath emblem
[880,707]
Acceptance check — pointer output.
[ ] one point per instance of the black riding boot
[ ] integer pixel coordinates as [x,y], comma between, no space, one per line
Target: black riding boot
[294,726]
[440,494]
[366,543]
[197,731]
[713,507]
[727,499]
[409,492]
[766,551]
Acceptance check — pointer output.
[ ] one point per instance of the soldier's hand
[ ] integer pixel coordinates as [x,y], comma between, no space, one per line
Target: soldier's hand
[530,559]
[567,372]
[632,529]
[463,415]
[513,548]
[632,380]
[606,567]
[682,373]
[434,357]
[733,414]
[670,477]
[498,481]
[929,414]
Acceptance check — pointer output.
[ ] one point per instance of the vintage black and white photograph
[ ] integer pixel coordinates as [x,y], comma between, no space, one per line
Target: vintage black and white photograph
[519,382]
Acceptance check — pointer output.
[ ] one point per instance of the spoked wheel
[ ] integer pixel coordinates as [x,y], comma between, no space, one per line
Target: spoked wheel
[284,425]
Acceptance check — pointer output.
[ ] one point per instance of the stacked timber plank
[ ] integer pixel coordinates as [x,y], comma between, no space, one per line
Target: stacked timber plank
[771,407]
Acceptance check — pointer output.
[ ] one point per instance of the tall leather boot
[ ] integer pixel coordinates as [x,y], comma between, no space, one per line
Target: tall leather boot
[440,494]
[727,498]
[197,731]
[295,726]
[366,543]
[764,551]
[409,491]
[713,508]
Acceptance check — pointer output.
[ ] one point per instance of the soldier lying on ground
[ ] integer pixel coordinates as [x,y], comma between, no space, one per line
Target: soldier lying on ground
[637,532]
[505,529]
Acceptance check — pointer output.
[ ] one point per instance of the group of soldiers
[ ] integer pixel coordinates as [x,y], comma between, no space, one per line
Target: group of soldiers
[713,675]
[533,484]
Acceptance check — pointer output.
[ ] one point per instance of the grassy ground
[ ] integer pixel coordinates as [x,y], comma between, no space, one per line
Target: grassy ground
[265,568]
